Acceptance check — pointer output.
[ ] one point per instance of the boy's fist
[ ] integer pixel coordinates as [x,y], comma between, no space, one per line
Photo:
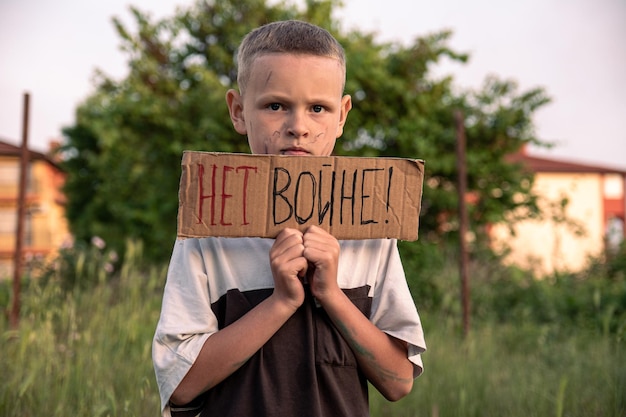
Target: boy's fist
[288,266]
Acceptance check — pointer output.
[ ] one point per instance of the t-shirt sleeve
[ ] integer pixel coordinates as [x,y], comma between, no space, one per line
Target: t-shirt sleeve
[393,308]
[186,319]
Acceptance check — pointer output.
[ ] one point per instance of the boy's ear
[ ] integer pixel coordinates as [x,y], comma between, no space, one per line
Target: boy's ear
[346,106]
[234,101]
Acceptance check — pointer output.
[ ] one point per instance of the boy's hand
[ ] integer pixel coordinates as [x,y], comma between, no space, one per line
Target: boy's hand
[288,267]
[321,250]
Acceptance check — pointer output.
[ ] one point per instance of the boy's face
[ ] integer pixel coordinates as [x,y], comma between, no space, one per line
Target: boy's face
[292,105]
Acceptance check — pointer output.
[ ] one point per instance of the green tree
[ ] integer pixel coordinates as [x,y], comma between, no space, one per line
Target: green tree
[123,154]
[400,110]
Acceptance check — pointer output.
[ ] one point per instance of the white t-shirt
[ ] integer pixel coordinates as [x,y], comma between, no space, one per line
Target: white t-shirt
[203,271]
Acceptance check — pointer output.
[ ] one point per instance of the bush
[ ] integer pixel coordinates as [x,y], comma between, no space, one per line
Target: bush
[83,266]
[594,299]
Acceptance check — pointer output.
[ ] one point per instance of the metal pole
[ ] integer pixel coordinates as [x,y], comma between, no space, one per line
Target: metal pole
[463,218]
[21,214]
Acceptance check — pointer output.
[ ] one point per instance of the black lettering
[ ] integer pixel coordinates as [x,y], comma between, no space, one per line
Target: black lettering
[328,205]
[347,197]
[366,196]
[279,193]
[297,199]
[389,186]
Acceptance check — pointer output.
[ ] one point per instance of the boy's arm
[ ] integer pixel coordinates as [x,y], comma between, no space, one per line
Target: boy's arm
[382,358]
[228,349]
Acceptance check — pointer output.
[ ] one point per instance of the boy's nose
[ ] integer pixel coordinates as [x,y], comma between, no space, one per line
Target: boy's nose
[297,126]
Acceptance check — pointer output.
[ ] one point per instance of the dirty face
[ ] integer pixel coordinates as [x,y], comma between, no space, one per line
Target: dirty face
[292,105]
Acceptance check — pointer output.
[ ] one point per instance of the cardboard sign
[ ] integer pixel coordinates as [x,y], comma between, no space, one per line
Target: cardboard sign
[225,194]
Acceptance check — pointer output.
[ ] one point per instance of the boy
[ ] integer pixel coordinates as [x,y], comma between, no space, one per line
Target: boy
[297,325]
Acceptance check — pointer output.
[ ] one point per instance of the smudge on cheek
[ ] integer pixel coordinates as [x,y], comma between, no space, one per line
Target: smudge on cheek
[319,136]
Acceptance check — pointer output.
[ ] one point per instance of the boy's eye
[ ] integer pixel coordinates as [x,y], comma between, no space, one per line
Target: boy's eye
[274,106]
[317,108]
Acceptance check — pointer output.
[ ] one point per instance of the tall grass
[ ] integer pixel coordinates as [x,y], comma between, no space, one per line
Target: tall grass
[514,370]
[85,350]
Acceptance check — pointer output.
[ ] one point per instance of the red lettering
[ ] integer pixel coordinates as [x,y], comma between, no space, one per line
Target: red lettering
[245,189]
[224,195]
[201,195]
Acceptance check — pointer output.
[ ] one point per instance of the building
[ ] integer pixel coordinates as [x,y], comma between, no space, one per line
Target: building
[583,215]
[45,226]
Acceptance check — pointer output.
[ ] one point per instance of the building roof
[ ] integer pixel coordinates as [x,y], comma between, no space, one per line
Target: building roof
[537,164]
[8,149]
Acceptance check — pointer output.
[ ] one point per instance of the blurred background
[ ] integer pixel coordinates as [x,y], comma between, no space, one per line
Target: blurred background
[574,50]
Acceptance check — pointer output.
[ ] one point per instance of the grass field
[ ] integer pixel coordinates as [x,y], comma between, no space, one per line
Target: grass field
[86,352]
[515,370]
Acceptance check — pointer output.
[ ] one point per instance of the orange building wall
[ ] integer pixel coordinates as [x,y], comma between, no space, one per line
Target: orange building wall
[46,228]
[554,244]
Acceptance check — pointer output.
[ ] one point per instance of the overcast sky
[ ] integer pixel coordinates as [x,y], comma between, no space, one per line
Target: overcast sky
[574,49]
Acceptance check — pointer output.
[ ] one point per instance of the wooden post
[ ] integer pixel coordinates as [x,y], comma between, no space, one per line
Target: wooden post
[463,218]
[21,214]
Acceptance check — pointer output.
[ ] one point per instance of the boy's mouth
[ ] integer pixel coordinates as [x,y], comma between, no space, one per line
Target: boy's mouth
[295,151]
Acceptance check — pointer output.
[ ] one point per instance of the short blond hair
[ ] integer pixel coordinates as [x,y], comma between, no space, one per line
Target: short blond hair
[290,37]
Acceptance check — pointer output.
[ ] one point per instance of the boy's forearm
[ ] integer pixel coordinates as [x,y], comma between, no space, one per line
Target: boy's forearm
[382,358]
[227,350]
